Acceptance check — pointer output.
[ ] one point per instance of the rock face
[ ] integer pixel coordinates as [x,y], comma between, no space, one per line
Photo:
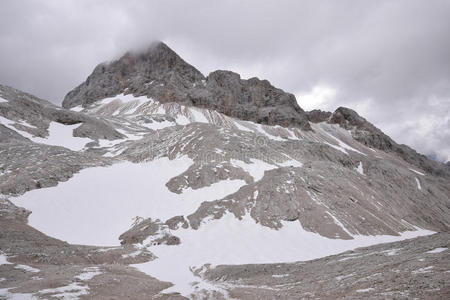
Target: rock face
[161,74]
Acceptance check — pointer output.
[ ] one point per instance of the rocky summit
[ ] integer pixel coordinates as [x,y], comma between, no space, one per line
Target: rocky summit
[160,74]
[153,181]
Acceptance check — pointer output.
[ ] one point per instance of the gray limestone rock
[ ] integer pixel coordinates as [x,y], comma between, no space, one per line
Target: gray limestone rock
[161,74]
[367,134]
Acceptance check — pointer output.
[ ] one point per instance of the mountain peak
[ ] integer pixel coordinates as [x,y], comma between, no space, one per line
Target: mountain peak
[161,74]
[143,73]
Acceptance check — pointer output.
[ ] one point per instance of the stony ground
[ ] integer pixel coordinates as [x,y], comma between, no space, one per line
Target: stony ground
[412,269]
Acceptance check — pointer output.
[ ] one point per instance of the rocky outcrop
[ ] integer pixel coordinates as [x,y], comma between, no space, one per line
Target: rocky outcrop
[161,74]
[39,113]
[367,134]
[154,232]
[317,116]
[158,73]
[252,100]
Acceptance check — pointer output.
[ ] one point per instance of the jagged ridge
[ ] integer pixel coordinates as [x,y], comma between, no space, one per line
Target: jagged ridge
[161,74]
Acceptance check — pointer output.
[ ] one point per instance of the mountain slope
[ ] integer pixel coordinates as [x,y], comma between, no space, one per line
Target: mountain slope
[237,174]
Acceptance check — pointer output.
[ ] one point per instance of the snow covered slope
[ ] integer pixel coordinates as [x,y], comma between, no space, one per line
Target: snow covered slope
[217,190]
[192,173]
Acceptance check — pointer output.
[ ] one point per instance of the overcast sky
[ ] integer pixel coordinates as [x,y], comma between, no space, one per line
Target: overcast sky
[388,60]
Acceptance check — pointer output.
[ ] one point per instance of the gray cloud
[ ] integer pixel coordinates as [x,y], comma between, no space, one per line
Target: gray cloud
[389,60]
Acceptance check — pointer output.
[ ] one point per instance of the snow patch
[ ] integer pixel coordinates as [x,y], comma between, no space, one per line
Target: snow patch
[279,275]
[62,135]
[73,210]
[337,222]
[132,254]
[59,135]
[423,270]
[158,125]
[3,100]
[77,108]
[256,168]
[27,268]
[290,163]
[89,273]
[232,241]
[343,145]
[437,250]
[365,290]
[260,129]
[15,296]
[360,169]
[418,184]
[417,172]
[240,127]
[68,292]
[198,115]
[4,259]
[8,124]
